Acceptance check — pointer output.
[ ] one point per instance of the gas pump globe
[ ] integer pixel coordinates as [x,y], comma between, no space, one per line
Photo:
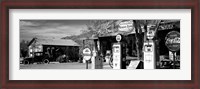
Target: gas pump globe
[150,32]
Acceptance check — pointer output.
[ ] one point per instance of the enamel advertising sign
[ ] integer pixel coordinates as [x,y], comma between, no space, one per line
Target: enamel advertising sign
[173,41]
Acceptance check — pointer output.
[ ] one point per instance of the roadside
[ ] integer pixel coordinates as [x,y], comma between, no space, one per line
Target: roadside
[57,65]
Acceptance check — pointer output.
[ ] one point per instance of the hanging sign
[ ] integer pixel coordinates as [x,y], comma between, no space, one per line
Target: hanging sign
[165,27]
[126,26]
[173,41]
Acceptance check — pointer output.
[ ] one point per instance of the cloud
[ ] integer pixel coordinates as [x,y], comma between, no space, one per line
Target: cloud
[50,28]
[73,29]
[28,23]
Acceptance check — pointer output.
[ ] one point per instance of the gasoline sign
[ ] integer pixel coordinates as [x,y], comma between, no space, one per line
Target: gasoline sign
[87,54]
[173,41]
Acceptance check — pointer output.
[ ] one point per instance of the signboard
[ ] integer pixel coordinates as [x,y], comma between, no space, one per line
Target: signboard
[118,37]
[165,27]
[87,54]
[126,26]
[173,41]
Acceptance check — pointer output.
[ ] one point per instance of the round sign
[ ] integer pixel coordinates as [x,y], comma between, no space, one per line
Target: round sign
[151,31]
[87,54]
[118,37]
[173,41]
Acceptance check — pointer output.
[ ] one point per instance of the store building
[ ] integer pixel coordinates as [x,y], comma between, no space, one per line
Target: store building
[163,55]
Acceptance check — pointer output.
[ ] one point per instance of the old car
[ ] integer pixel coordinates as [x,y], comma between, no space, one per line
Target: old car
[39,57]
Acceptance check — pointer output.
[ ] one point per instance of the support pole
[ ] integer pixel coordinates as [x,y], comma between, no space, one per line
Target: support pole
[86,64]
[174,61]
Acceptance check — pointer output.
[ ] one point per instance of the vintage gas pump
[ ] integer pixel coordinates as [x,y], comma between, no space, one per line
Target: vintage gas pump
[119,56]
[149,55]
[149,50]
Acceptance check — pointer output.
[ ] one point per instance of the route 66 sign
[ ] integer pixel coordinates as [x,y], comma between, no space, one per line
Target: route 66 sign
[173,41]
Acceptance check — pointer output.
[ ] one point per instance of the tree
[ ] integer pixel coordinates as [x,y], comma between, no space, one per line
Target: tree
[24,48]
[102,27]
[138,37]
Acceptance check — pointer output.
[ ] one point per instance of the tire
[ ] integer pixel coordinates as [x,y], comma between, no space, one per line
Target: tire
[25,62]
[46,61]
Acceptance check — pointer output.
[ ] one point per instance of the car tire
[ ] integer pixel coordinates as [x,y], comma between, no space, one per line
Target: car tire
[46,61]
[26,62]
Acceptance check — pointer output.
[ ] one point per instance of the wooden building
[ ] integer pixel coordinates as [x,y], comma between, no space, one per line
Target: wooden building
[54,47]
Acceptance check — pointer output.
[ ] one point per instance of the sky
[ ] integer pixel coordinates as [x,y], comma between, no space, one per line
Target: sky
[51,29]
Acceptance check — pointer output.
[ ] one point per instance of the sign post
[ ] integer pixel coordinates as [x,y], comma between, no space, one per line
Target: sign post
[173,43]
[174,60]
[87,55]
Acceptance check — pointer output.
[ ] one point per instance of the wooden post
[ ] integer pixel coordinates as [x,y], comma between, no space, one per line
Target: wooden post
[86,64]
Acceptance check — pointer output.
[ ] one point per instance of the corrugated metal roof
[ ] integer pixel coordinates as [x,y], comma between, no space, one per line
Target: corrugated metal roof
[60,42]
